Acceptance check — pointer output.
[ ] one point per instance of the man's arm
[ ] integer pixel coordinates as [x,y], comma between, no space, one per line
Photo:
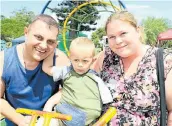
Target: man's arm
[6,109]
[52,101]
[48,64]
[61,59]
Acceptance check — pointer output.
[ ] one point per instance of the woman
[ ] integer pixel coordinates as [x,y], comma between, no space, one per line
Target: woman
[128,67]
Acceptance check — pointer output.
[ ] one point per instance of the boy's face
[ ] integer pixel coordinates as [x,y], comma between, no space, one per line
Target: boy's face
[81,59]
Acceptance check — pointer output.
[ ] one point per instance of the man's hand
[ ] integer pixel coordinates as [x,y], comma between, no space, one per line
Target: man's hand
[48,108]
[26,121]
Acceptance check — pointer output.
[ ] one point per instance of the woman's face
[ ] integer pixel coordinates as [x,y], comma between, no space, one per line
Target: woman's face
[123,38]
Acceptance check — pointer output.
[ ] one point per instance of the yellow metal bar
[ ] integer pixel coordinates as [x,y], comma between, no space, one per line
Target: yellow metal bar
[43,113]
[47,121]
[110,113]
[47,115]
[74,10]
[33,120]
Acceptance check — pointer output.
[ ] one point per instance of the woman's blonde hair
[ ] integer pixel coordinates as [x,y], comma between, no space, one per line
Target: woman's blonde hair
[127,17]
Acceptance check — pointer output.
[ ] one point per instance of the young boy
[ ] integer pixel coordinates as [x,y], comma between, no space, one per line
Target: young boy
[83,92]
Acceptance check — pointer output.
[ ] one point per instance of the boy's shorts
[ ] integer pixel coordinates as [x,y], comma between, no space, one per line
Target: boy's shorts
[78,116]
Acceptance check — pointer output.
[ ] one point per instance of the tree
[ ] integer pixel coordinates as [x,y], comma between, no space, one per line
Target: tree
[83,19]
[97,36]
[13,27]
[2,17]
[153,27]
[23,15]
[167,44]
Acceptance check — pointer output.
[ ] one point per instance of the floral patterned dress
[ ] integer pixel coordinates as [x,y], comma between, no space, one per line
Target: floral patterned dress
[136,97]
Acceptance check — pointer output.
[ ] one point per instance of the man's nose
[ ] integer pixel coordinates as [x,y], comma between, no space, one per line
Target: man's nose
[43,45]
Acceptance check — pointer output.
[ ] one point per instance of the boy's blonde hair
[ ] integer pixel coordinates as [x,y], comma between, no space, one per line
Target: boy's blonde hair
[84,42]
[127,17]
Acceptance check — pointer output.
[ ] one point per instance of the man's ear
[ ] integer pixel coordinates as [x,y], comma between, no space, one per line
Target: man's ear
[57,43]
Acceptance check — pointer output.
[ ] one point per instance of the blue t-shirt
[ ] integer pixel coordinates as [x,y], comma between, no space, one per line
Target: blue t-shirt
[25,88]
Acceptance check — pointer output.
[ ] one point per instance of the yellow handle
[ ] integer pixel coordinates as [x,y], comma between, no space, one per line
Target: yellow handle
[110,113]
[47,115]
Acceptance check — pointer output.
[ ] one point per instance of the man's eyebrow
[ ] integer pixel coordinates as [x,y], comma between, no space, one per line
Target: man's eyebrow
[52,40]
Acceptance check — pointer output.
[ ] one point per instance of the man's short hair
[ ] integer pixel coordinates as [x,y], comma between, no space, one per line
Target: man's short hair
[47,19]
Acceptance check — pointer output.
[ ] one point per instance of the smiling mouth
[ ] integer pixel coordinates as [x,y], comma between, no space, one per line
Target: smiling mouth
[121,47]
[40,51]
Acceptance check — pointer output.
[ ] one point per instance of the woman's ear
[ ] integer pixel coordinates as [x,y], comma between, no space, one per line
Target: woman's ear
[140,30]
[25,30]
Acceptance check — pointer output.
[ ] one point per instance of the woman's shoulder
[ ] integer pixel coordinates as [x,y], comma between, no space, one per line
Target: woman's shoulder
[168,52]
[167,60]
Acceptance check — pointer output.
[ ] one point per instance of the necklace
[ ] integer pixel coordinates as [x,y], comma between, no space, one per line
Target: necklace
[24,63]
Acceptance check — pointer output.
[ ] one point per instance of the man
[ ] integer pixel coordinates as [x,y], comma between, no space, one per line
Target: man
[22,80]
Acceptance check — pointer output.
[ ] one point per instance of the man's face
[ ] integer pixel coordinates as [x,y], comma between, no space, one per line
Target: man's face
[40,40]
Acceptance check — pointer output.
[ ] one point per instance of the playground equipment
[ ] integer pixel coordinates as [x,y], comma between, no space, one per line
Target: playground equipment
[47,116]
[107,7]
[110,113]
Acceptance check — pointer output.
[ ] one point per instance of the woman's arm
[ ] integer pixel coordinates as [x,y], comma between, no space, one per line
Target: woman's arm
[168,88]
[98,63]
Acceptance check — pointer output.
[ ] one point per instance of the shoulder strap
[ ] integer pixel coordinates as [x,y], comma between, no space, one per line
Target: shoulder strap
[160,76]
[54,58]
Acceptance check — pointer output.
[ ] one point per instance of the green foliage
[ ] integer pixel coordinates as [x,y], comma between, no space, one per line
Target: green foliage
[13,27]
[84,19]
[23,15]
[153,27]
[167,44]
[97,36]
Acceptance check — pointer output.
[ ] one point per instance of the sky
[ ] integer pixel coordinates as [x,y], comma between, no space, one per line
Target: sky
[140,8]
